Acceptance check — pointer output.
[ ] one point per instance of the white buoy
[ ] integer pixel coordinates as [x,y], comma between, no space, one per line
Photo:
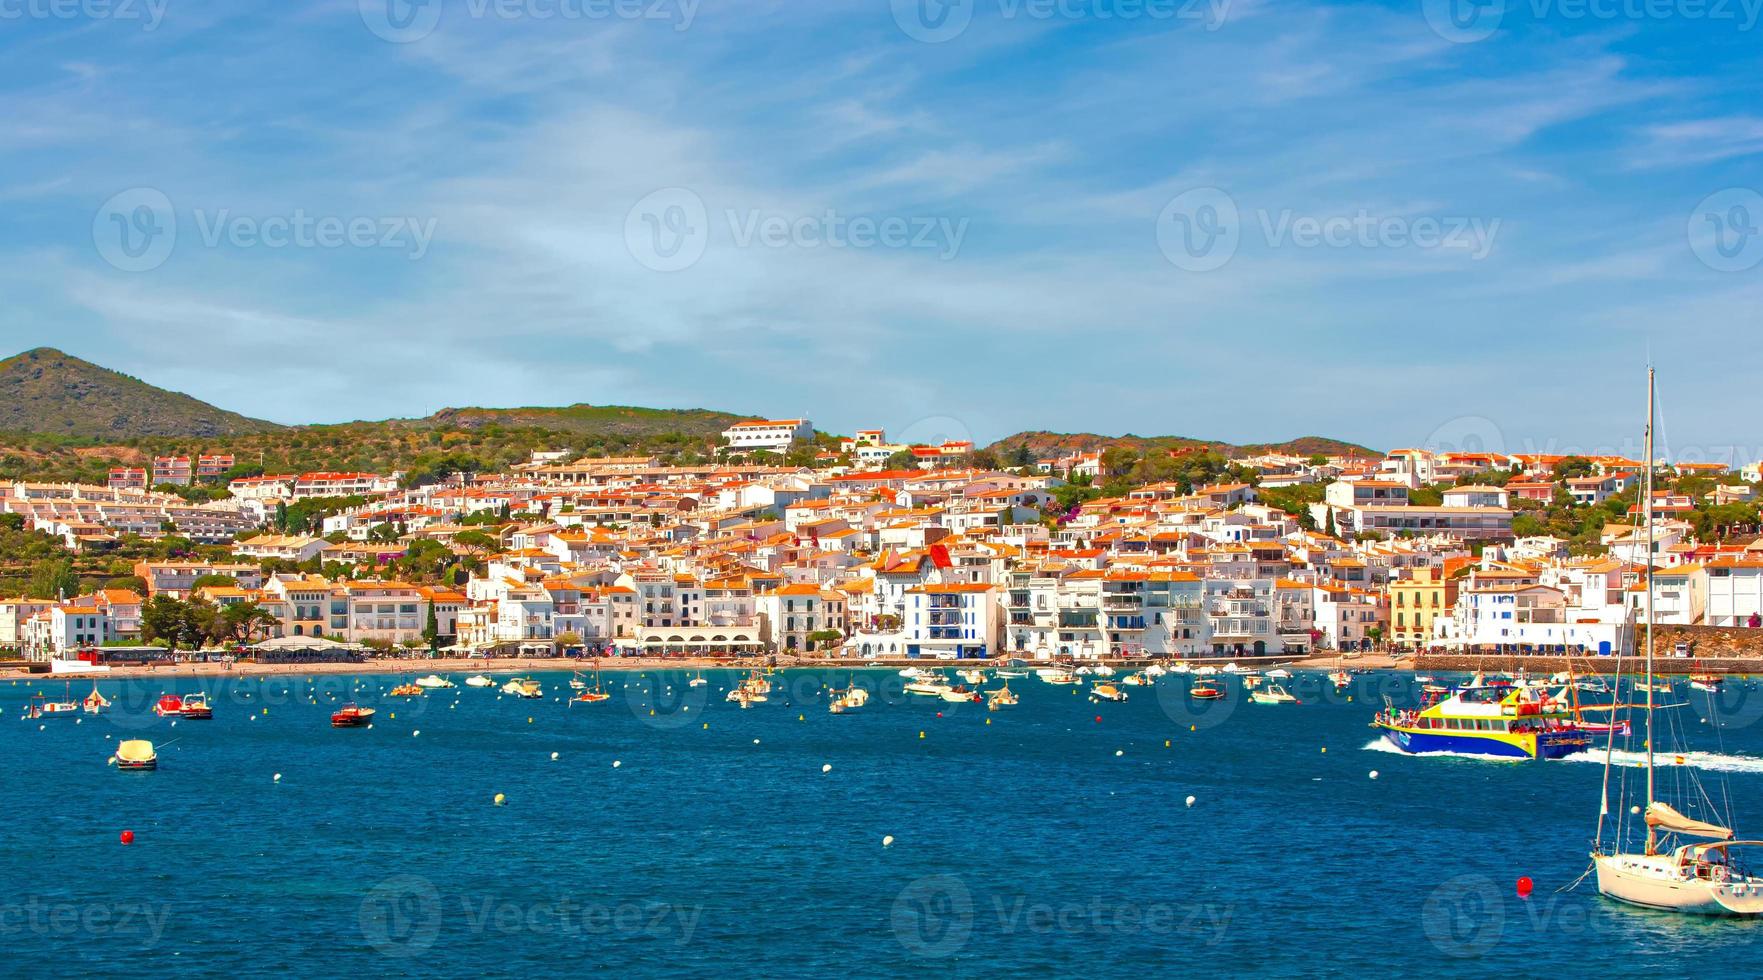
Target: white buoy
[1190,801]
[1119,752]
[278,777]
[616,763]
[827,768]
[755,741]
[1374,774]
[553,757]
[888,841]
[415,733]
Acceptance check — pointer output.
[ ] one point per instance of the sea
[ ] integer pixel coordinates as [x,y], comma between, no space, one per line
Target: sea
[666,831]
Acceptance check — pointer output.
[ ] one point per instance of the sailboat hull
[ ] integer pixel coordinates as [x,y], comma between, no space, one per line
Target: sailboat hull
[1654,882]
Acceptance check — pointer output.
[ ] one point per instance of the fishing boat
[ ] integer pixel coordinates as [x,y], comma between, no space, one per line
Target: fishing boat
[169,706]
[1340,679]
[1205,691]
[1272,694]
[523,687]
[930,689]
[849,699]
[1706,682]
[1282,674]
[915,673]
[94,703]
[697,681]
[479,680]
[41,707]
[1107,692]
[1013,672]
[405,691]
[757,683]
[351,715]
[1674,871]
[196,707]
[1002,697]
[1181,669]
[745,698]
[1155,670]
[1057,675]
[136,755]
[1137,679]
[972,675]
[434,682]
[960,694]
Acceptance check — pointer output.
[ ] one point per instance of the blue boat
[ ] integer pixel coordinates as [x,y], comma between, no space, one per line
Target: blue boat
[1501,722]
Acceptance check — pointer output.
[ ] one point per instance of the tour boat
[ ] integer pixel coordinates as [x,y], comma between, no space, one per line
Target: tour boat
[1514,723]
[1273,694]
[959,693]
[351,716]
[169,706]
[433,682]
[1107,692]
[196,707]
[523,687]
[479,680]
[94,703]
[136,755]
[1205,691]
[1691,878]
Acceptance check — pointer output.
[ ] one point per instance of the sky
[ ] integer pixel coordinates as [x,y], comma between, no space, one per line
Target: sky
[1451,223]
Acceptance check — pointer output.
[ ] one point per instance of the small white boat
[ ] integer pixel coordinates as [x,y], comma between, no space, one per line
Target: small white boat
[1279,674]
[1012,672]
[916,673]
[434,682]
[1272,694]
[959,693]
[1205,670]
[1232,668]
[523,687]
[1003,697]
[479,680]
[1156,670]
[1057,675]
[697,681]
[1181,669]
[1107,692]
[1139,679]
[972,675]
[849,699]
[931,689]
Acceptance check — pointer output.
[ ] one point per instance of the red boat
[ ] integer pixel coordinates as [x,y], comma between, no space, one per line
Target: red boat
[350,716]
[169,706]
[196,706]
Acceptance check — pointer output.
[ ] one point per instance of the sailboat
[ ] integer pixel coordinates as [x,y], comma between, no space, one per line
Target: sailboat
[591,695]
[1689,877]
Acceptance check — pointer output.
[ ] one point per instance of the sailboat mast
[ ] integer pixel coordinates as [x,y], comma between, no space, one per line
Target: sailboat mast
[1647,515]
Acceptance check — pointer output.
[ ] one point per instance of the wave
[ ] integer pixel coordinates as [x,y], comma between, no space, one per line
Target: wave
[1709,761]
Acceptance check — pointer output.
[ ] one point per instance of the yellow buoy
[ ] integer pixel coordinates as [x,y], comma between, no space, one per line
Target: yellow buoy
[500,799]
[920,734]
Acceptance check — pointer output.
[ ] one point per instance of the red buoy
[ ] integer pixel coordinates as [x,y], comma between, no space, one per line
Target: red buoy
[939,714]
[1098,719]
[1524,887]
[128,837]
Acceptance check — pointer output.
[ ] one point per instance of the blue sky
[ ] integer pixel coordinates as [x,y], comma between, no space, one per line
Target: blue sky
[948,219]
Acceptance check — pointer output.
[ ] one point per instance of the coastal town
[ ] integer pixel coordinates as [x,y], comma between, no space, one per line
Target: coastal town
[791,543]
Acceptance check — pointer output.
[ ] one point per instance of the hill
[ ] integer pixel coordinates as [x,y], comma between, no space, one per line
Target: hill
[48,392]
[605,420]
[1043,444]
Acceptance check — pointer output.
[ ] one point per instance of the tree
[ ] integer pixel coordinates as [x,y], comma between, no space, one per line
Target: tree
[240,622]
[132,583]
[568,639]
[204,581]
[53,579]
[902,460]
[1573,467]
[431,629]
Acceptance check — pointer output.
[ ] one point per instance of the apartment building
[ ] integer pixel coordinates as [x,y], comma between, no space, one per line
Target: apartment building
[772,435]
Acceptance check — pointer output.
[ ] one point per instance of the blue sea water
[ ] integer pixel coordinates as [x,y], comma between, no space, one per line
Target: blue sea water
[1049,837]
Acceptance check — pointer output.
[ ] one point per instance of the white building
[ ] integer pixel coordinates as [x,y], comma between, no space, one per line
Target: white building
[774,435]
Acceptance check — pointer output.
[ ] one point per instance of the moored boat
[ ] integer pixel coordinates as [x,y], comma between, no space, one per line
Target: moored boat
[169,706]
[960,693]
[95,702]
[1107,692]
[351,715]
[405,691]
[196,707]
[434,682]
[1205,691]
[523,687]
[1002,697]
[1273,694]
[479,680]
[136,755]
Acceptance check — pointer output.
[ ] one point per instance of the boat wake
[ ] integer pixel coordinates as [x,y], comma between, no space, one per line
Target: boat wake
[1708,761]
[1383,745]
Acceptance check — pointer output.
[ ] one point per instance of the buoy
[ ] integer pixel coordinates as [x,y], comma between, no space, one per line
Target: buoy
[798,717]
[1119,752]
[1192,728]
[988,721]
[394,716]
[920,734]
[1374,774]
[1325,750]
[127,838]
[939,714]
[1190,801]
[1166,743]
[1634,809]
[529,720]
[1098,719]
[1524,886]
[706,724]
[827,768]
[616,763]
[888,840]
[415,732]
[500,799]
[755,741]
[553,757]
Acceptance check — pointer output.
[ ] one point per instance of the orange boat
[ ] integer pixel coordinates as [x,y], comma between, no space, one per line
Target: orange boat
[350,716]
[1205,691]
